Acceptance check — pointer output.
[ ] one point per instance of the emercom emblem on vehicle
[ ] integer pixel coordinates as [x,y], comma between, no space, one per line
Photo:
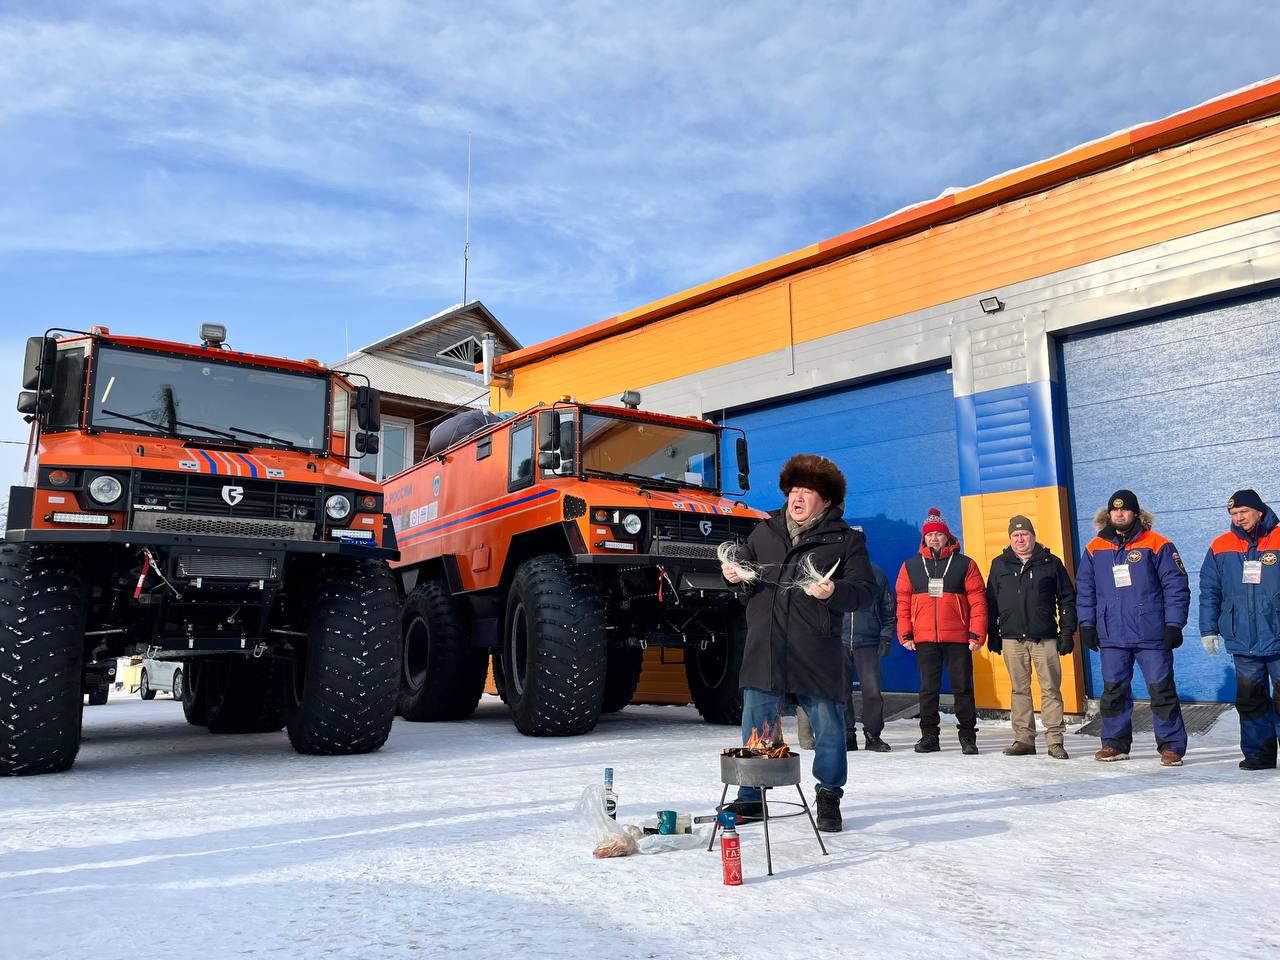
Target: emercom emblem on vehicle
[232,494]
[705,527]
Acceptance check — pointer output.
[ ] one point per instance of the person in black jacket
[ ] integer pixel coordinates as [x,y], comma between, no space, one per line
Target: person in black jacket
[794,648]
[1032,616]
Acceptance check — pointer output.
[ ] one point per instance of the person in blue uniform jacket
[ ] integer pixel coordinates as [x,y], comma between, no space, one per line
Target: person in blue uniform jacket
[1132,599]
[1240,608]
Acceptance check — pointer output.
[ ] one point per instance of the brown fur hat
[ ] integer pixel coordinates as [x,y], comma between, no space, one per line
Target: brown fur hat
[815,472]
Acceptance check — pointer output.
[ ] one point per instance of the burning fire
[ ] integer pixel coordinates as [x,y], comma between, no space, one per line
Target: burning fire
[765,741]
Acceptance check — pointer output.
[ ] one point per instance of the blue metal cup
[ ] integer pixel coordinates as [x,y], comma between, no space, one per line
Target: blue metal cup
[666,821]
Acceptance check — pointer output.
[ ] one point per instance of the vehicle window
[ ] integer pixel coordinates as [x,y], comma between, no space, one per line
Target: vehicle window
[206,399]
[521,464]
[68,389]
[659,451]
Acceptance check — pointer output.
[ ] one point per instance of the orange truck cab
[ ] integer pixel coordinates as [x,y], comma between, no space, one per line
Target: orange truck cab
[561,542]
[196,504]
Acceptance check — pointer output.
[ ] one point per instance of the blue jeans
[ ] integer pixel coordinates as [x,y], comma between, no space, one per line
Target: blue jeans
[830,763]
[1258,706]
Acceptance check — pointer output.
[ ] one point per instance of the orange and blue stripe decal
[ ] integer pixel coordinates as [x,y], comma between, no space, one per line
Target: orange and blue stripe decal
[219,462]
[476,514]
[213,467]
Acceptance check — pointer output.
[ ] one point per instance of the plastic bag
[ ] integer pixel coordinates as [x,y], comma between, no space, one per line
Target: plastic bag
[610,837]
[666,842]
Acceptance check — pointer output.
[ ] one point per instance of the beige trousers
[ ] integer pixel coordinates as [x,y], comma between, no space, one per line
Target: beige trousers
[1019,656]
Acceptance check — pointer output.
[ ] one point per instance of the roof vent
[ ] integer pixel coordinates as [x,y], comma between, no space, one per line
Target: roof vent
[464,351]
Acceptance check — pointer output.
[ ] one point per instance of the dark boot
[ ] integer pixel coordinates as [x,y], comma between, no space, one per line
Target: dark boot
[928,743]
[1019,749]
[851,741]
[828,818]
[1257,763]
[876,745]
[969,743]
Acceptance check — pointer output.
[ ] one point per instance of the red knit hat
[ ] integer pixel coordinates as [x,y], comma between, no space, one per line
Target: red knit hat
[935,523]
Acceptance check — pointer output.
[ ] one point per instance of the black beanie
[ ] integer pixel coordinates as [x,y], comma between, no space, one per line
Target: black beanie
[1247,498]
[1123,500]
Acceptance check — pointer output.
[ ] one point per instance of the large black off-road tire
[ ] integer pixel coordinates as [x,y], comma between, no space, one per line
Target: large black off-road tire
[98,695]
[554,659]
[713,673]
[245,695]
[42,614]
[347,680]
[622,678]
[145,690]
[442,676]
[195,694]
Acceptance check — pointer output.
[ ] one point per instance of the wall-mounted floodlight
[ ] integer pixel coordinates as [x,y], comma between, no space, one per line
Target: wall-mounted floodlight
[214,335]
[991,304]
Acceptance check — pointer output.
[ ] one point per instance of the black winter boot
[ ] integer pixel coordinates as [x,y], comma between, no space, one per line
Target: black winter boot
[928,743]
[969,743]
[1257,763]
[828,818]
[851,741]
[876,745]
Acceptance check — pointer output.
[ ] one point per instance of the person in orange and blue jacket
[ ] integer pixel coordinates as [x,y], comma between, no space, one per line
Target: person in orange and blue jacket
[1240,603]
[1132,599]
[942,616]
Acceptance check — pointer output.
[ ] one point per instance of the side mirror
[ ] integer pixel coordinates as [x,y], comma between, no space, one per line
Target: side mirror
[547,440]
[42,354]
[368,410]
[367,443]
[567,440]
[744,467]
[548,460]
[29,402]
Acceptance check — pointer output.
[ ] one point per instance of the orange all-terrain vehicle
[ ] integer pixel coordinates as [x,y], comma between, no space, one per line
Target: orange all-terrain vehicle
[563,541]
[193,503]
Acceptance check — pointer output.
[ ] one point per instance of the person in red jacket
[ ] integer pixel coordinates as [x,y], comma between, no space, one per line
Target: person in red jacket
[942,616]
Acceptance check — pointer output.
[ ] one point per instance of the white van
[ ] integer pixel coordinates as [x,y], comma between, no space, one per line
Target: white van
[160,676]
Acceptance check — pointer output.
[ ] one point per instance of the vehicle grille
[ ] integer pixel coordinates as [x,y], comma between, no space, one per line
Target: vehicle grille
[222,526]
[202,495]
[230,568]
[687,551]
[686,526]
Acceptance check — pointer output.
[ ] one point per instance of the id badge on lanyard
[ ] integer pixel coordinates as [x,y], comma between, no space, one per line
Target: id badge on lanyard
[1120,573]
[1252,571]
[935,583]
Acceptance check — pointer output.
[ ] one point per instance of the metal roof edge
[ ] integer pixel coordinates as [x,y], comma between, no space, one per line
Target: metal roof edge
[1228,110]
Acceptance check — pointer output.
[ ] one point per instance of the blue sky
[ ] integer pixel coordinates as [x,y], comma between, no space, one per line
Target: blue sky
[298,171]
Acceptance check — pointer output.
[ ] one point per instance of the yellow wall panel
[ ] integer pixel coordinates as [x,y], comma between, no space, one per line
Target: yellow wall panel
[1221,179]
[662,680]
[986,534]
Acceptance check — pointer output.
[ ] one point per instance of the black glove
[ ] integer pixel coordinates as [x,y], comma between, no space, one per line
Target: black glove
[1172,637]
[1089,636]
[995,644]
[1066,643]
[884,647]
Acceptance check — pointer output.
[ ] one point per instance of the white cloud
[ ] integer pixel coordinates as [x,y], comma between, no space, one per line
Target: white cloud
[621,152]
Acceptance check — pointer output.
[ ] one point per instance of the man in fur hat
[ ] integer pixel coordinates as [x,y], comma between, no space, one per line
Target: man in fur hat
[1132,599]
[794,648]
[1239,598]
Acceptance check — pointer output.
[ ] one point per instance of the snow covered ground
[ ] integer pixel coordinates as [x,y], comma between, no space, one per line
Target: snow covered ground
[458,840]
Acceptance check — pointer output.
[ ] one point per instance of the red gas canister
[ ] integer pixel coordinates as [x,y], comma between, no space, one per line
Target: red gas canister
[731,851]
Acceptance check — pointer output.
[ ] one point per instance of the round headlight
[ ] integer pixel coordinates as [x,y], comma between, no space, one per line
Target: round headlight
[105,489]
[338,507]
[631,524]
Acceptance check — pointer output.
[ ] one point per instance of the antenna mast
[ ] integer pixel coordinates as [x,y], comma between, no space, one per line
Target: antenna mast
[466,242]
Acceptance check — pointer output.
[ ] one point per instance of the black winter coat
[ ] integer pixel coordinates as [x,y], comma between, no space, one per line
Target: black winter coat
[793,641]
[877,621]
[1037,601]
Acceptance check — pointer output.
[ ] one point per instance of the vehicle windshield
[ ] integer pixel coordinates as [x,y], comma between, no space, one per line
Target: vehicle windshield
[638,450]
[207,400]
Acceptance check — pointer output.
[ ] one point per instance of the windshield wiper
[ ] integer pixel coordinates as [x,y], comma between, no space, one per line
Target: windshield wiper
[142,420]
[266,436]
[171,430]
[639,479]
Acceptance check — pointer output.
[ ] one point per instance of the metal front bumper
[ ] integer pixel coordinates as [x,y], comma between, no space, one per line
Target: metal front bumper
[218,544]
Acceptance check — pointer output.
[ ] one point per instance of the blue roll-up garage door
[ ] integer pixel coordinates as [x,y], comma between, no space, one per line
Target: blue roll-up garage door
[1183,410]
[894,439]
